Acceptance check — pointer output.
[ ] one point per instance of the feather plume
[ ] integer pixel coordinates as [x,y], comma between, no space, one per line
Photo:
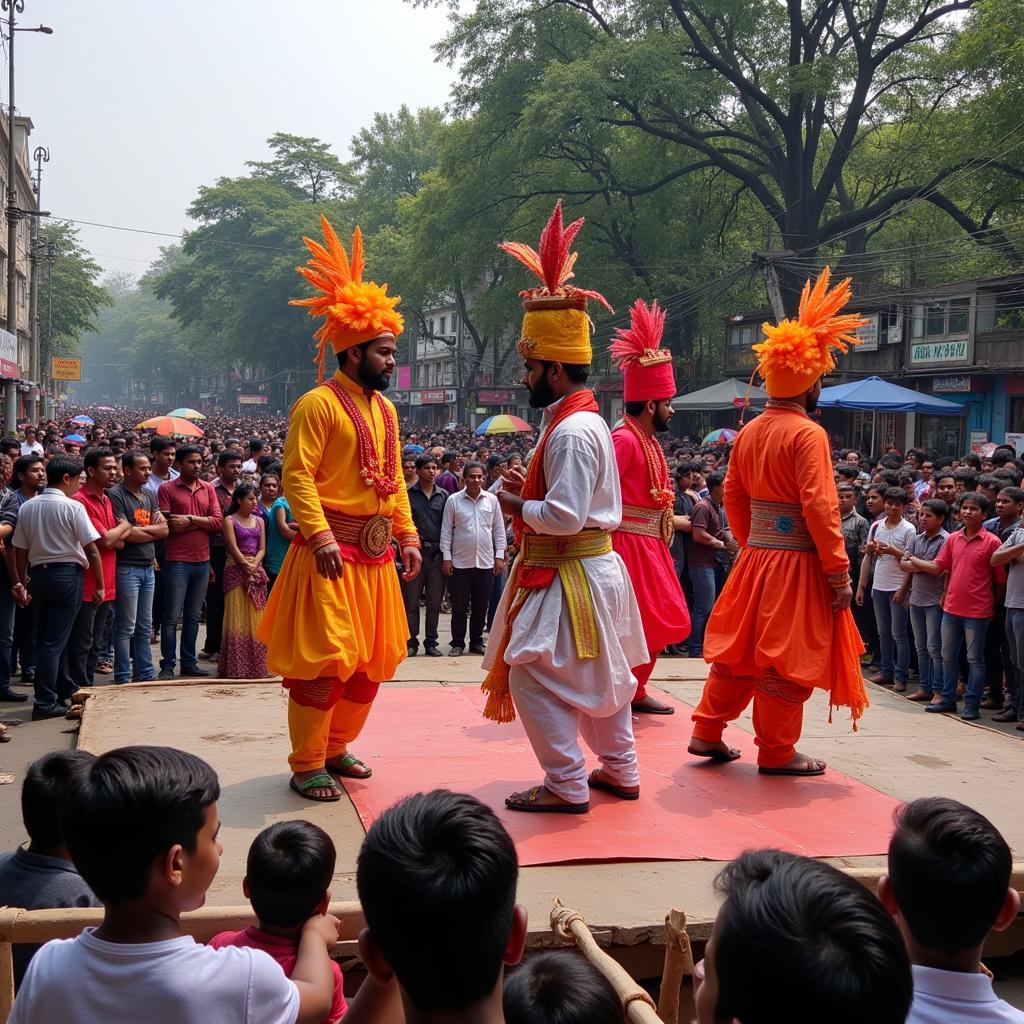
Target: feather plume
[643,336]
[348,304]
[805,345]
[553,263]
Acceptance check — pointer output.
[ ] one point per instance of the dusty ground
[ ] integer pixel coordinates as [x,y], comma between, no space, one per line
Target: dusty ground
[239,728]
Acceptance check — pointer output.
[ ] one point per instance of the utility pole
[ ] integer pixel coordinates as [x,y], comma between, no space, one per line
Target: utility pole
[42,156]
[767,261]
[14,212]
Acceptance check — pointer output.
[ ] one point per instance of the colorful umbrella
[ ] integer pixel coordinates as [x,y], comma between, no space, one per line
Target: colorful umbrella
[75,439]
[171,425]
[82,421]
[187,414]
[413,449]
[503,424]
[720,435]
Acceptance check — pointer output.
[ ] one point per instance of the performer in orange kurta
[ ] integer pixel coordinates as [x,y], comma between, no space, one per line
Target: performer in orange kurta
[782,625]
[643,536]
[334,624]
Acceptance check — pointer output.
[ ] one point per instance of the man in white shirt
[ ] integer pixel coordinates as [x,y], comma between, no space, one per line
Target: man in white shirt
[31,446]
[948,886]
[256,449]
[473,553]
[54,543]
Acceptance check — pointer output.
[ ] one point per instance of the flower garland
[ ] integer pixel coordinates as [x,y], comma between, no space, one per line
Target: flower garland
[657,468]
[382,480]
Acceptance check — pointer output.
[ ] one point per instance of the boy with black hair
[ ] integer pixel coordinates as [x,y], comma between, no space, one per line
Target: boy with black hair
[41,875]
[1009,555]
[141,826]
[943,847]
[925,599]
[441,857]
[887,540]
[797,940]
[287,880]
[560,986]
[969,602]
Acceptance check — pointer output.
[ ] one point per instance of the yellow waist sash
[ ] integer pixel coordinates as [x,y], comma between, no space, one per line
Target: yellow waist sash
[535,569]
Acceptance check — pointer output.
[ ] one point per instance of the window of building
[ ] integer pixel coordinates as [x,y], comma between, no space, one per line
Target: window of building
[743,335]
[430,327]
[941,318]
[444,325]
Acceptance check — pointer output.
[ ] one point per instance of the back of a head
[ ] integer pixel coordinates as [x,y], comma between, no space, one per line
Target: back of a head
[799,942]
[128,807]
[560,987]
[289,868]
[42,794]
[943,846]
[437,880]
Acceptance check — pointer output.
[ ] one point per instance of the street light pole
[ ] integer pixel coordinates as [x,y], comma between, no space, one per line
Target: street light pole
[42,156]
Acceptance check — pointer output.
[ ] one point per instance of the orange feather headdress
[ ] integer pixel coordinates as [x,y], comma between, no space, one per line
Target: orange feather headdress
[354,310]
[556,327]
[646,366]
[796,353]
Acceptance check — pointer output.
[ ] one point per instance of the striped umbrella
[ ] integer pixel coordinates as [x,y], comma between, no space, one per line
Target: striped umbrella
[720,435]
[171,425]
[503,424]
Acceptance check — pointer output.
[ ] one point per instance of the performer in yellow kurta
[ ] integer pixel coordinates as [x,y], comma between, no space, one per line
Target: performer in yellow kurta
[335,624]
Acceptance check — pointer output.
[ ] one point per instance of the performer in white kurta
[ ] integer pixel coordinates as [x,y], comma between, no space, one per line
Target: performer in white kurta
[568,629]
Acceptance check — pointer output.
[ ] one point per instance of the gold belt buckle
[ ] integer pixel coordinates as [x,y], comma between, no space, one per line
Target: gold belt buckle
[375,536]
[667,528]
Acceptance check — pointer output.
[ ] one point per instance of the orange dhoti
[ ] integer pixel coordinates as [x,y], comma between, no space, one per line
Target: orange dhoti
[773,636]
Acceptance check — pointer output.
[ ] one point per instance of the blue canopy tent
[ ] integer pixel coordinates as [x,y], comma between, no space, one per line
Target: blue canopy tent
[875,395]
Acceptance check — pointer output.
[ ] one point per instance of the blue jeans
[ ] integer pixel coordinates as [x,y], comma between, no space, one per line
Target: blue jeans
[927,623]
[7,609]
[1015,636]
[56,591]
[891,617]
[184,591]
[702,579]
[955,630]
[133,623]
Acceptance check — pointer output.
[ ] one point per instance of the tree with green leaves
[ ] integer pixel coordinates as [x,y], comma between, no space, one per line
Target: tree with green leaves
[77,298]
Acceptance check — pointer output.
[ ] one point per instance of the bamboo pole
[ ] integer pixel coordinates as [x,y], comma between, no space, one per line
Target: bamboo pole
[636,1002]
[38,926]
[678,964]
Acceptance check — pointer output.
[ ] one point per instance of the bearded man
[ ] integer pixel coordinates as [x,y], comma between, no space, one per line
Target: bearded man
[335,624]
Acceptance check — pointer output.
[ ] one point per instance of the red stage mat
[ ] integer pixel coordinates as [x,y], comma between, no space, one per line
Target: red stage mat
[435,737]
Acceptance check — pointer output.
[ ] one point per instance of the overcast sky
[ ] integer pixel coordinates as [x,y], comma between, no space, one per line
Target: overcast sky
[142,101]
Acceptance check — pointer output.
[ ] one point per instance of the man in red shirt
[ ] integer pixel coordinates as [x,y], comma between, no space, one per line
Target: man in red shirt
[969,602]
[82,652]
[193,513]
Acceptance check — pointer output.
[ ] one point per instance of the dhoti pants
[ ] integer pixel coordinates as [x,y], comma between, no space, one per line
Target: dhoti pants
[325,716]
[643,673]
[554,728]
[778,712]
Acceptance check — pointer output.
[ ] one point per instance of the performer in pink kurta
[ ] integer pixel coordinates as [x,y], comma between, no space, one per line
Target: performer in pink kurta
[643,537]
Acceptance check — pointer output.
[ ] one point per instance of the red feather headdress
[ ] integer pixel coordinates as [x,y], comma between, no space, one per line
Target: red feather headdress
[640,343]
[554,262]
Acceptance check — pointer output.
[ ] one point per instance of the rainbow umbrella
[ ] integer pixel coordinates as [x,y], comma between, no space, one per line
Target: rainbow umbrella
[171,425]
[83,421]
[719,436]
[187,414]
[503,424]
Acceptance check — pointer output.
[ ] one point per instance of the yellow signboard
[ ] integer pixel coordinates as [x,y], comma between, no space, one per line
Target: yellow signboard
[62,368]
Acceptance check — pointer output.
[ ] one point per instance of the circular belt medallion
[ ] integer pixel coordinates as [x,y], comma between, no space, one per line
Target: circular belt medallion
[375,536]
[667,529]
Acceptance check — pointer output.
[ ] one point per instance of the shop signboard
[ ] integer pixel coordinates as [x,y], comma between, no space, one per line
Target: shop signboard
[932,352]
[951,383]
[61,368]
[1017,440]
[9,357]
[496,396]
[979,438]
[867,334]
[252,399]
[404,375]
[433,396]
